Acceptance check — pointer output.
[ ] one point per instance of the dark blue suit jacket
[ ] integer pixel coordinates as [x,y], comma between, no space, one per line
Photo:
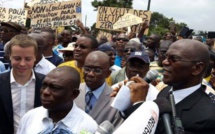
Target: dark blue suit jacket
[6,106]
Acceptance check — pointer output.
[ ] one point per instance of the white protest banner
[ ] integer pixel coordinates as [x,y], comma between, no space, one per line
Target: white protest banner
[127,20]
[143,120]
[30,3]
[107,16]
[56,14]
[14,15]
[12,3]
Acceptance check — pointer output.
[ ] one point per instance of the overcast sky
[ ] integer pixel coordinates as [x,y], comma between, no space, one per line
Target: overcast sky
[197,14]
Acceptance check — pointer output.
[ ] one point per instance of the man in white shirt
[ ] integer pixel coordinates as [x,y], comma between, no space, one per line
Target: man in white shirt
[59,114]
[42,65]
[19,87]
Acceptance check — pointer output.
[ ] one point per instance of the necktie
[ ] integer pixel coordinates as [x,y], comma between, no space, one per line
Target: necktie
[61,131]
[56,131]
[212,96]
[88,98]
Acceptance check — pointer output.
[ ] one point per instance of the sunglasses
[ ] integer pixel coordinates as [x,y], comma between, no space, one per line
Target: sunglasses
[81,46]
[123,39]
[129,50]
[175,58]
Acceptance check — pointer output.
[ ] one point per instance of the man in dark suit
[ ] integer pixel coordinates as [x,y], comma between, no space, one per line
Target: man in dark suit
[96,69]
[19,88]
[184,66]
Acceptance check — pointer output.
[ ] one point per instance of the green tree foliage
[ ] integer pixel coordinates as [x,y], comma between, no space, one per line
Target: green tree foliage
[202,33]
[112,3]
[160,24]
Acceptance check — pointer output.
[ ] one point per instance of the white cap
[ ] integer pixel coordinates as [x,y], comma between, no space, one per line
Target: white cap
[70,47]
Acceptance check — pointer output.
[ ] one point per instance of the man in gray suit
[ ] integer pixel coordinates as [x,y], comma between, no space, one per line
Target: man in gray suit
[94,95]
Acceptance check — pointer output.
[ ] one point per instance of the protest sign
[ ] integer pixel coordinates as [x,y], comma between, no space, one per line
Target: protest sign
[13,15]
[103,33]
[56,14]
[127,20]
[107,16]
[39,2]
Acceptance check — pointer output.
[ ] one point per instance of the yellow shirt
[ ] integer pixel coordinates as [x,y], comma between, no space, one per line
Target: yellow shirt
[73,64]
[81,71]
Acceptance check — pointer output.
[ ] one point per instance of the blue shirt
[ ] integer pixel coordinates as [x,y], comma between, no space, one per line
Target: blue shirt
[55,59]
[2,67]
[96,94]
[118,60]
[6,64]
[56,50]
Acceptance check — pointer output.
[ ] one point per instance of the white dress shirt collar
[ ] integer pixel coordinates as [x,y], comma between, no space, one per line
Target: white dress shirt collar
[98,91]
[179,95]
[41,62]
[12,79]
[68,121]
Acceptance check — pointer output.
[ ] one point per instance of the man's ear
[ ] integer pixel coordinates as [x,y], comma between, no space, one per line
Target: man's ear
[75,93]
[198,68]
[51,42]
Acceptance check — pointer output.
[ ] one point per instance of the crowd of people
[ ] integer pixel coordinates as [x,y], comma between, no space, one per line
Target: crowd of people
[66,83]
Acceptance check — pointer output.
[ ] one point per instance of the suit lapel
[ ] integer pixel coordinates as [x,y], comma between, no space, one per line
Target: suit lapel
[189,101]
[121,75]
[6,96]
[38,84]
[102,102]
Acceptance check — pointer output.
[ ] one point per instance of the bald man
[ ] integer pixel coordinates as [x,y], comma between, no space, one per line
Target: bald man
[184,66]
[58,114]
[94,95]
[42,65]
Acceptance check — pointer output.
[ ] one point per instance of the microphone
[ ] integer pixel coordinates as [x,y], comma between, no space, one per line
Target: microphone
[105,128]
[151,75]
[167,125]
[164,110]
[142,121]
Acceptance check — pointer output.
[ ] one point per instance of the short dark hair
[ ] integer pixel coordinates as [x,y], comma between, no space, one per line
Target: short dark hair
[94,42]
[73,74]
[50,31]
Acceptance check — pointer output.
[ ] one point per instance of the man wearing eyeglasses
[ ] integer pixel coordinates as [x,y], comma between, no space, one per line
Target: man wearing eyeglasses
[65,40]
[184,67]
[121,41]
[137,65]
[7,31]
[94,95]
[121,75]
[83,46]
